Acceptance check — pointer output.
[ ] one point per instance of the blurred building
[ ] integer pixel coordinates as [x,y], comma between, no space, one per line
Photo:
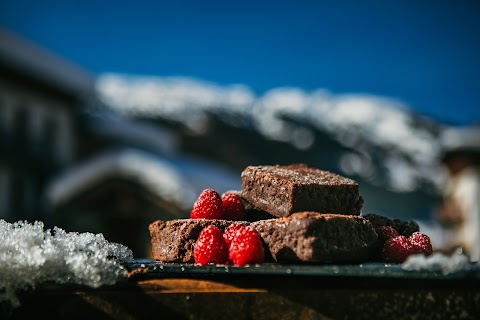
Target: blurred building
[40,94]
[69,163]
[459,210]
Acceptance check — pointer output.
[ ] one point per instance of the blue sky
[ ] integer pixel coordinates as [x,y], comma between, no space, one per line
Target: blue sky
[425,53]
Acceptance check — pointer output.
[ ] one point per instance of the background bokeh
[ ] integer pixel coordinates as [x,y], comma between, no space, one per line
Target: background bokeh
[117,113]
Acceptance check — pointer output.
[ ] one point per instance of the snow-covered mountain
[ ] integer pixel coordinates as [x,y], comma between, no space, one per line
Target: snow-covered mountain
[367,125]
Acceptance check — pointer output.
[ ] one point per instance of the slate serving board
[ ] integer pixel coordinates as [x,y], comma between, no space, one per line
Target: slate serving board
[152,269]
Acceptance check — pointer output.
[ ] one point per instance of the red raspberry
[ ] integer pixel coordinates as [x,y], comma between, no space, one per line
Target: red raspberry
[230,232]
[421,243]
[246,247]
[210,247]
[397,250]
[385,233]
[233,207]
[208,206]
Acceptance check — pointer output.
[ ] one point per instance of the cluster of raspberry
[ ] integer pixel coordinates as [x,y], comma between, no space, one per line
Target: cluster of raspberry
[240,245]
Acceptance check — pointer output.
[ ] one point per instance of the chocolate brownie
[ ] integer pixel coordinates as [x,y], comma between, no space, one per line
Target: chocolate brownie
[283,190]
[315,237]
[174,240]
[301,237]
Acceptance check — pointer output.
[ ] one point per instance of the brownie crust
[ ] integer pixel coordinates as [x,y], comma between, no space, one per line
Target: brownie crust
[283,190]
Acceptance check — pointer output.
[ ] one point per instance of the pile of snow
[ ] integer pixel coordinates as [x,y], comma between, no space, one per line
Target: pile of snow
[31,255]
[438,262]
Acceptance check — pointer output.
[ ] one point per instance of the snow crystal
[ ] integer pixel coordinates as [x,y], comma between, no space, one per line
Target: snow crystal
[31,255]
[438,262]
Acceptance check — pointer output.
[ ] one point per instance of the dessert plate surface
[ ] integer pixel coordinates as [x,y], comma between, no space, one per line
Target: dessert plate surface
[155,269]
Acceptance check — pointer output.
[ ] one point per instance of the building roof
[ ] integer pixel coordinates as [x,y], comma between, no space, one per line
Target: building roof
[174,179]
[461,139]
[38,64]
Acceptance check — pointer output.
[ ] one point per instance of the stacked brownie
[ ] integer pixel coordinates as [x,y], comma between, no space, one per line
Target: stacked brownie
[314,237]
[303,214]
[283,190]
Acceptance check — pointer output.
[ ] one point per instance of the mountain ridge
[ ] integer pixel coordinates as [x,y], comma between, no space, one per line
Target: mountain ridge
[379,141]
